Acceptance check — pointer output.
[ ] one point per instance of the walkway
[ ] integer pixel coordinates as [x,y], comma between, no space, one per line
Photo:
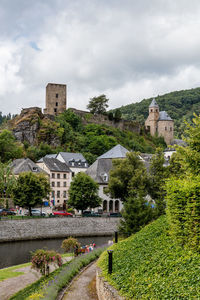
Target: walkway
[10,286]
[83,286]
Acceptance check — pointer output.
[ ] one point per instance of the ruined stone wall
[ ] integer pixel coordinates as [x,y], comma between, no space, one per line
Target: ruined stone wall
[88,118]
[41,228]
[56,99]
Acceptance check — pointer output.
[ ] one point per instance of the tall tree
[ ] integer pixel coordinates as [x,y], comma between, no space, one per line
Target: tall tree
[98,105]
[83,192]
[9,148]
[7,181]
[30,190]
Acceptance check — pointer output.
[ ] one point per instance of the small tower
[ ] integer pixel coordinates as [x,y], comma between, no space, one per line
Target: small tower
[152,120]
[56,99]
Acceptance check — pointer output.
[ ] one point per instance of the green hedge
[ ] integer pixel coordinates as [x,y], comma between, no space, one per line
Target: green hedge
[183,210]
[149,265]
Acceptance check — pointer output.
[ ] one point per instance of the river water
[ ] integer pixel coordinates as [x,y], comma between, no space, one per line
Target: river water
[14,253]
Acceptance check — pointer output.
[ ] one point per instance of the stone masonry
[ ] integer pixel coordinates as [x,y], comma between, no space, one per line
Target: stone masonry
[56,99]
[41,228]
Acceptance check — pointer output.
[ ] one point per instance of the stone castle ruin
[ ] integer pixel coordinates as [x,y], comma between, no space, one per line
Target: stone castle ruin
[56,99]
[160,123]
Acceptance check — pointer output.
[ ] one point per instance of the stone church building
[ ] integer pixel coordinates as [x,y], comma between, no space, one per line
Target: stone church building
[160,123]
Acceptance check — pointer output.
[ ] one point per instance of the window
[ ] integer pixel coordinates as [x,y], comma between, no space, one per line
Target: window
[64,194]
[35,169]
[170,128]
[53,175]
[53,194]
[105,177]
[165,128]
[53,184]
[64,176]
[156,110]
[58,194]
[56,95]
[58,183]
[56,103]
[58,175]
[55,110]
[58,201]
[64,183]
[73,174]
[151,110]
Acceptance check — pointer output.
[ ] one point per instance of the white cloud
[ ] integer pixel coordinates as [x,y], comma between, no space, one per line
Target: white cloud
[127,50]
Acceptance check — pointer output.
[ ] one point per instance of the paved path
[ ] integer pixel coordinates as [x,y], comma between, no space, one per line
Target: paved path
[84,286]
[10,286]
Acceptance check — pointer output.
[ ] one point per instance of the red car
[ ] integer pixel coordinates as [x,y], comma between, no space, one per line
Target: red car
[62,213]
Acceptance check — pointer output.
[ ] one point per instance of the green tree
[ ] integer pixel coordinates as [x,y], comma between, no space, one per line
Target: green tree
[7,181]
[30,190]
[83,192]
[98,105]
[117,115]
[158,175]
[127,175]
[9,148]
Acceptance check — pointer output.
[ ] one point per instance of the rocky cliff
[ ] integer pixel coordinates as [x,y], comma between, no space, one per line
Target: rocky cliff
[33,126]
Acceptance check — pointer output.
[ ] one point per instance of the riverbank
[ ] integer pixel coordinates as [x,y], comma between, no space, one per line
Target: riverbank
[45,228]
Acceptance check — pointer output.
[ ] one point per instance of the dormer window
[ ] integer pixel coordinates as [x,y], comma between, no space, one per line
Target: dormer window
[35,169]
[105,177]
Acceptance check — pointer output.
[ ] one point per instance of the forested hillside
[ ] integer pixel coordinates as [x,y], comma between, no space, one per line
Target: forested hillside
[180,105]
[67,133]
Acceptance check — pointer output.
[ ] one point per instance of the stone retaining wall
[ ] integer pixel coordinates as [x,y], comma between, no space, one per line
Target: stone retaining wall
[15,230]
[104,290]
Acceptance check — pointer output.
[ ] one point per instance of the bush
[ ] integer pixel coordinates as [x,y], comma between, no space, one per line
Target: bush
[70,244]
[42,258]
[183,210]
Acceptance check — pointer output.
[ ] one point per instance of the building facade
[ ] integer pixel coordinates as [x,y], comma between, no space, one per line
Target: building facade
[160,123]
[56,99]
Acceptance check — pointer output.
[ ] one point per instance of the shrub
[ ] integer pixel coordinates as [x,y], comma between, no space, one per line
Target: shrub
[70,244]
[42,258]
[183,210]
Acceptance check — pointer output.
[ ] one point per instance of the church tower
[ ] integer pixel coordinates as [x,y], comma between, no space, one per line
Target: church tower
[56,99]
[152,120]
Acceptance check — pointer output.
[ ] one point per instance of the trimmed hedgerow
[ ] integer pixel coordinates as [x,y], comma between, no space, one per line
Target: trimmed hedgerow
[150,265]
[183,210]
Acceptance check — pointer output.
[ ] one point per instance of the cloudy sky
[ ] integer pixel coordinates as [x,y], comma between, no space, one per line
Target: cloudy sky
[126,49]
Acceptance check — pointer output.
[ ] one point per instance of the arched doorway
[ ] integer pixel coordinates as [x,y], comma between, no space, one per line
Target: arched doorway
[117,206]
[111,206]
[105,206]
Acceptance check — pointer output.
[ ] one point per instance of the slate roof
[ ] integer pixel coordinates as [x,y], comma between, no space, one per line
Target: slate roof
[100,168]
[55,165]
[153,103]
[68,156]
[163,116]
[116,152]
[25,165]
[47,155]
[179,142]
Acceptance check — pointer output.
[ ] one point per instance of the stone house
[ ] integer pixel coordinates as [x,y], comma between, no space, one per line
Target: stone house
[21,165]
[160,123]
[60,178]
[99,171]
[56,99]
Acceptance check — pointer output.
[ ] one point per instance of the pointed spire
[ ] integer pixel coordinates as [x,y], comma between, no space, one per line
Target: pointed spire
[153,103]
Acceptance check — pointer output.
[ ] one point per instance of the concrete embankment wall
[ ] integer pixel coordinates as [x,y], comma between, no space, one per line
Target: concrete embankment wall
[28,229]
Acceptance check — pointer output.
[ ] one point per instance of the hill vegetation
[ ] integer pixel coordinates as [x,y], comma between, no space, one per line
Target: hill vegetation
[180,106]
[69,134]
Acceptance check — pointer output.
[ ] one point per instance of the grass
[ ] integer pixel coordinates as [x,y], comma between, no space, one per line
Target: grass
[11,271]
[149,265]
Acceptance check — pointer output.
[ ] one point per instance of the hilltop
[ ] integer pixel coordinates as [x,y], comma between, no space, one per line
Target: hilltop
[180,105]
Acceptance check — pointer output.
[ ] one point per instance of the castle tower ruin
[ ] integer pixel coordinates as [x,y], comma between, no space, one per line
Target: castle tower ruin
[56,99]
[152,120]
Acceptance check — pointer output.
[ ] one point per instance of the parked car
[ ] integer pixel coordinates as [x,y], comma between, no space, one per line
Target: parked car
[88,213]
[35,212]
[6,212]
[62,213]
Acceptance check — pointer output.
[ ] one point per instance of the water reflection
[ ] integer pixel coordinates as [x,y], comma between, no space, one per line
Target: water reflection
[14,253]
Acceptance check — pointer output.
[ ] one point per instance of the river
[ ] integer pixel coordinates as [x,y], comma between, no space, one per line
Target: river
[14,253]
